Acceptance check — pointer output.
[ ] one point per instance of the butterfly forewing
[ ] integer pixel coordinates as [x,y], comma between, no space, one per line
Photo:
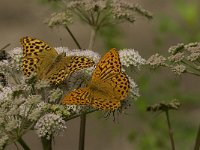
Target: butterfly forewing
[108,66]
[119,85]
[34,55]
[33,47]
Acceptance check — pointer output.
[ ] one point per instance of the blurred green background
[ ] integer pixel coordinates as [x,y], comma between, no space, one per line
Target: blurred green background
[174,22]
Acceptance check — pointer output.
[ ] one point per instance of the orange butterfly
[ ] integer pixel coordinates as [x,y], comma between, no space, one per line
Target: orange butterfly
[39,57]
[107,88]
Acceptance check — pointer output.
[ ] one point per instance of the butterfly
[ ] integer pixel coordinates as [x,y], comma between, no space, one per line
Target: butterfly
[39,57]
[107,88]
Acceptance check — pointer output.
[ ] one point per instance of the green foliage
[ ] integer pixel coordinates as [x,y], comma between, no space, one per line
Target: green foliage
[184,25]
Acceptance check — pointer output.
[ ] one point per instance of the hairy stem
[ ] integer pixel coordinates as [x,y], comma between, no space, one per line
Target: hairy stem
[197,143]
[73,37]
[170,130]
[23,144]
[46,143]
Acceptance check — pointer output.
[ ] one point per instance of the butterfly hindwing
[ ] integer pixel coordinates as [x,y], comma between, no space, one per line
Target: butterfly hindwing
[66,66]
[77,97]
[103,101]
[120,85]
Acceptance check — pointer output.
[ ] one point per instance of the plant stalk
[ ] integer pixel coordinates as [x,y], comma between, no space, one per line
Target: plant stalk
[82,132]
[92,38]
[23,144]
[46,144]
[73,37]
[197,143]
[170,130]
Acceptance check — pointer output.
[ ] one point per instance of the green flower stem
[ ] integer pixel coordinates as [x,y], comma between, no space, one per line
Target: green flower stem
[170,130]
[75,116]
[82,132]
[23,144]
[7,45]
[46,144]
[71,34]
[191,72]
[197,143]
[190,65]
[92,38]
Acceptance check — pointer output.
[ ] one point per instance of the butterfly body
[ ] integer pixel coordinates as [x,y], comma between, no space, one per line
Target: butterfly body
[107,88]
[39,57]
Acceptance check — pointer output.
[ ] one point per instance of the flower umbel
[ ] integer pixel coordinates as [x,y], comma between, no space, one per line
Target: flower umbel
[50,124]
[98,13]
[182,59]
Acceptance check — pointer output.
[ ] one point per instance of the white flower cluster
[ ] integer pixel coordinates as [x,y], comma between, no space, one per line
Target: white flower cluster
[13,122]
[3,141]
[54,95]
[62,49]
[79,78]
[61,18]
[87,53]
[30,103]
[49,124]
[134,90]
[37,111]
[16,55]
[130,57]
[87,5]
[4,92]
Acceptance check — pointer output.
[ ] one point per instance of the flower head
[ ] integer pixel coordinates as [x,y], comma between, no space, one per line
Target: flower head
[156,61]
[130,57]
[50,124]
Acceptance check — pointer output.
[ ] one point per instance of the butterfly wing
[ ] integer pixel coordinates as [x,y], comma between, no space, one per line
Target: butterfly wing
[110,85]
[107,88]
[108,66]
[35,53]
[66,66]
[103,101]
[77,97]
